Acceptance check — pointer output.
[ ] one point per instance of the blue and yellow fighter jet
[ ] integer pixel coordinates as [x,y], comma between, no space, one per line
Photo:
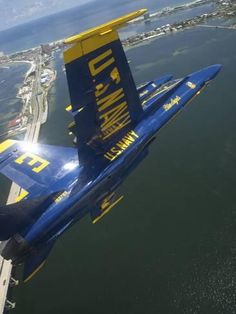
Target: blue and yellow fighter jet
[114,123]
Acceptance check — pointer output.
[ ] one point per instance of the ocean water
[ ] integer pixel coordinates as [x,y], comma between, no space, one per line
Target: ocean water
[169,247]
[11,77]
[62,25]
[160,21]
[75,20]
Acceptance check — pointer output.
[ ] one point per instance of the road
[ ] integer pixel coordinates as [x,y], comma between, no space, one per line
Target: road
[32,134]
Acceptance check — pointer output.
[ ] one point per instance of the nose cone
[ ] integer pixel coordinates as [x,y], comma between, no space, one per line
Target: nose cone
[212,71]
[205,75]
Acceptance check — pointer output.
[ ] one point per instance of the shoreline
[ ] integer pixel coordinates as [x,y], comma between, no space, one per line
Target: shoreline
[45,96]
[225,9]
[25,93]
[170,10]
[43,54]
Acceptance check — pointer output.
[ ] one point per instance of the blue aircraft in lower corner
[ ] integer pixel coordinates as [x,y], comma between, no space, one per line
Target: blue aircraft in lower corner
[114,124]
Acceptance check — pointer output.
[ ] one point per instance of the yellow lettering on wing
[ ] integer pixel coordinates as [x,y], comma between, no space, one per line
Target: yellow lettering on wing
[121,146]
[95,65]
[173,101]
[34,159]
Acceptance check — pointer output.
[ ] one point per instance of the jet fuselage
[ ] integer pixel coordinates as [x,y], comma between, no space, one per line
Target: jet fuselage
[83,196]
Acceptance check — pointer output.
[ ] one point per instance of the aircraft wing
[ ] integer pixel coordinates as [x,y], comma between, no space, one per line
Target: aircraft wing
[104,100]
[36,167]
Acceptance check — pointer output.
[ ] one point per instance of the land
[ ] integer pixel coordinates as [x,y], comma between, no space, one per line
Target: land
[36,85]
[223,9]
[33,92]
[41,57]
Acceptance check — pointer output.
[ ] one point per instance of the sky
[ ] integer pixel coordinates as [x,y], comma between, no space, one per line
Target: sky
[14,12]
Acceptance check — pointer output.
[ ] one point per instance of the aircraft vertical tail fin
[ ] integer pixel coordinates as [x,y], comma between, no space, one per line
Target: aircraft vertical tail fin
[104,99]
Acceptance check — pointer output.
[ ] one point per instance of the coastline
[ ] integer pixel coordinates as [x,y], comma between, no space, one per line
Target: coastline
[45,96]
[25,93]
[41,56]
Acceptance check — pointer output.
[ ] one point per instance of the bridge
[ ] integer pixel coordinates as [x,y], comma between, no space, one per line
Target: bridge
[217,26]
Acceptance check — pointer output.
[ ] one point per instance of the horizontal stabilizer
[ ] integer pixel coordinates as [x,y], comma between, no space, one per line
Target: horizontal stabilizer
[36,261]
[36,167]
[14,218]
